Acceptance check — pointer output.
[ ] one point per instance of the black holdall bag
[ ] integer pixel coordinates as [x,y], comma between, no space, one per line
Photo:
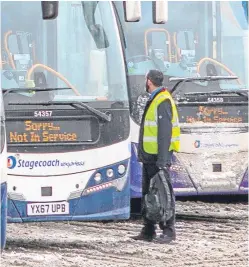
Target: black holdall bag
[158,201]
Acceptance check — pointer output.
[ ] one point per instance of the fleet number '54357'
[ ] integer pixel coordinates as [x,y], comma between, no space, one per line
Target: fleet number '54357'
[43,113]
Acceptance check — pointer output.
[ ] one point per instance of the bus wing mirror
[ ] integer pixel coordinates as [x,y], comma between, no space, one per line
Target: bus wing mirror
[132,11]
[160,11]
[49,9]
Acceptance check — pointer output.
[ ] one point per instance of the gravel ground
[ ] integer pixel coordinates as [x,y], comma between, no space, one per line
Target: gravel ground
[208,234]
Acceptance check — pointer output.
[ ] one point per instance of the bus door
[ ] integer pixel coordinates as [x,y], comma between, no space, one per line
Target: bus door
[157,45]
[19,48]
[184,46]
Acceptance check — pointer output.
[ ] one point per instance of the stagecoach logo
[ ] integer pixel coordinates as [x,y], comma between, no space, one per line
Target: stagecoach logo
[197,143]
[32,164]
[11,162]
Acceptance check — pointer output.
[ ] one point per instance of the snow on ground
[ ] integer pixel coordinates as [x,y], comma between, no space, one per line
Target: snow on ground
[208,234]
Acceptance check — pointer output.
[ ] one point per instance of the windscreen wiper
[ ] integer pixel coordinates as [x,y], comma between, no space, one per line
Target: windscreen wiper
[182,81]
[17,90]
[76,104]
[80,105]
[240,92]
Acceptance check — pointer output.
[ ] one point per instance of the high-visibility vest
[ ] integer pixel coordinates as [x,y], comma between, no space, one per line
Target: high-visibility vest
[150,143]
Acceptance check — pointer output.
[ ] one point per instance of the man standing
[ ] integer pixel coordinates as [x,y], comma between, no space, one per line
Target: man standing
[159,137]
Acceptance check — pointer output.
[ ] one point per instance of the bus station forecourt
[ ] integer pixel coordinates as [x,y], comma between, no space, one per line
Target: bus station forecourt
[208,234]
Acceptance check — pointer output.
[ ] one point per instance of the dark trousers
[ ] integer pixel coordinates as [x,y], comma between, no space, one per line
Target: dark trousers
[149,170]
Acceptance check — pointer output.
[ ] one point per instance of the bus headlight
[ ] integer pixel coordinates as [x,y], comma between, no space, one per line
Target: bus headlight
[109,173]
[121,169]
[97,177]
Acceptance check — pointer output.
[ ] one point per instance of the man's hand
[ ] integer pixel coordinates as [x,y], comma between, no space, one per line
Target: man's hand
[166,167]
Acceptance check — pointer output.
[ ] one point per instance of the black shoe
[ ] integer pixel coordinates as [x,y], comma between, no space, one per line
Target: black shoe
[145,235]
[167,236]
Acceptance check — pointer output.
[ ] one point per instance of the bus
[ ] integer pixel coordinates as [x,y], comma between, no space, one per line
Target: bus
[3,174]
[200,39]
[67,111]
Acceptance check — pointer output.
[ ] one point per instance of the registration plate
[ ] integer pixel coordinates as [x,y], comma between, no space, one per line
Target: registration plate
[50,208]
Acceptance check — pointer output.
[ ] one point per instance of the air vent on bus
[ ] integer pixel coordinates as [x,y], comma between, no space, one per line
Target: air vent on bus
[46,191]
[217,167]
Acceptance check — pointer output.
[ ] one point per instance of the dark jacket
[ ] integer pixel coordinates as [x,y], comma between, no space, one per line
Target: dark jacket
[164,118]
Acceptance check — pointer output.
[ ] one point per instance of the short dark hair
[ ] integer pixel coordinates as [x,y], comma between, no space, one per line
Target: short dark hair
[156,77]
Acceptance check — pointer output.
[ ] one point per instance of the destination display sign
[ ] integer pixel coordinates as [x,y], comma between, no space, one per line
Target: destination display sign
[211,114]
[59,131]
